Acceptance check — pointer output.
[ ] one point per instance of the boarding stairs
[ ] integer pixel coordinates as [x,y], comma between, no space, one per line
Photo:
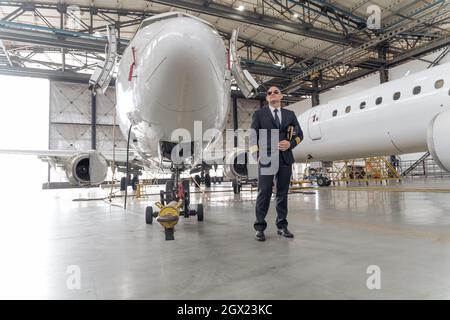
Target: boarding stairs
[415,164]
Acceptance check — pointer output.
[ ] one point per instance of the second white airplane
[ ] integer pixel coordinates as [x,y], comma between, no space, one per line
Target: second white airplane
[407,115]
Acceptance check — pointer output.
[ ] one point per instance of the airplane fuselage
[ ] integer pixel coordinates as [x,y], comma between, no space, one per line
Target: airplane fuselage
[392,118]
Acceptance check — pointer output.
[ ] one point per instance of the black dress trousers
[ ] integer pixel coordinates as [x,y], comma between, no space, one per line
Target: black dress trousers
[282,180]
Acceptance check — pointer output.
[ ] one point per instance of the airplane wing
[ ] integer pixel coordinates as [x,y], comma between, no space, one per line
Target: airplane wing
[119,156]
[87,167]
[55,153]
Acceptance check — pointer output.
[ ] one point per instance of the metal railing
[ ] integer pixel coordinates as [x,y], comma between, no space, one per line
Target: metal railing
[428,168]
[415,164]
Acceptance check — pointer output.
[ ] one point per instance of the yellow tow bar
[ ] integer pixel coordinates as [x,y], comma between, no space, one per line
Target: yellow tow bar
[168,217]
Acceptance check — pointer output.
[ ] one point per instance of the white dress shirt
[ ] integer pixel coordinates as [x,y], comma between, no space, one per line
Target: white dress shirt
[272,109]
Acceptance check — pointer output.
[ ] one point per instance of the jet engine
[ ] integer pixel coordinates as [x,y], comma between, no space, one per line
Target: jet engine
[86,169]
[438,139]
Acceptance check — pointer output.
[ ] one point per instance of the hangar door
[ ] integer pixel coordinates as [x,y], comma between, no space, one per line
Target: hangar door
[73,118]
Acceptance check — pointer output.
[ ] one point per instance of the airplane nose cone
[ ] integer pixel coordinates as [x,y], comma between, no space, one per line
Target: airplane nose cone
[189,55]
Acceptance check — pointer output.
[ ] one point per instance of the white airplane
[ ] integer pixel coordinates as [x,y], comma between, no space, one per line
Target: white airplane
[173,73]
[407,115]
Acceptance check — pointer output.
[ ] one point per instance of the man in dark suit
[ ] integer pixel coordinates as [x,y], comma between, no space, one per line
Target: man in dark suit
[275,132]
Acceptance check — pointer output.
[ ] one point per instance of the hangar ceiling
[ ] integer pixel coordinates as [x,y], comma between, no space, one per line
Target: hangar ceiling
[304,46]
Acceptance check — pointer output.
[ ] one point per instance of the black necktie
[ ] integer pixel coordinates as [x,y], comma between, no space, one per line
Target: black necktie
[277,120]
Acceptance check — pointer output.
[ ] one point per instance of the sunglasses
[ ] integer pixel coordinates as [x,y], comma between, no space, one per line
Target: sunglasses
[269,93]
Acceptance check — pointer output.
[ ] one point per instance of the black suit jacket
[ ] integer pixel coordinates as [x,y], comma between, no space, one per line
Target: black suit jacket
[263,119]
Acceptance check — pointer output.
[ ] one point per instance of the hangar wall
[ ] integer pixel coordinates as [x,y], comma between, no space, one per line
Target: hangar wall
[245,108]
[70,120]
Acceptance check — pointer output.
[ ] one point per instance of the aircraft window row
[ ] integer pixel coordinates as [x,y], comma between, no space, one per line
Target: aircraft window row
[416,90]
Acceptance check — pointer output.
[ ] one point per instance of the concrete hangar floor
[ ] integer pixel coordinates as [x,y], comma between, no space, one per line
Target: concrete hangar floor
[56,248]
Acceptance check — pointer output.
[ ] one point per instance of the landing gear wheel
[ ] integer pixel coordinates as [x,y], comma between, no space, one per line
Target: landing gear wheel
[134,183]
[169,191]
[187,197]
[200,212]
[149,215]
[169,234]
[198,181]
[207,181]
[321,181]
[328,183]
[236,186]
[161,197]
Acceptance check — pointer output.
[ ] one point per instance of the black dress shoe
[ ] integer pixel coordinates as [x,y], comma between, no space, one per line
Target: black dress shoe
[285,233]
[260,236]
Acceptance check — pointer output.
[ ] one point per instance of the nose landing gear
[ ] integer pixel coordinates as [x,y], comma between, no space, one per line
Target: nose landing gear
[174,202]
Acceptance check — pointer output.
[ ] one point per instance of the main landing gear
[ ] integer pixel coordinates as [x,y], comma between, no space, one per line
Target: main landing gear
[237,185]
[124,182]
[174,202]
[206,178]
